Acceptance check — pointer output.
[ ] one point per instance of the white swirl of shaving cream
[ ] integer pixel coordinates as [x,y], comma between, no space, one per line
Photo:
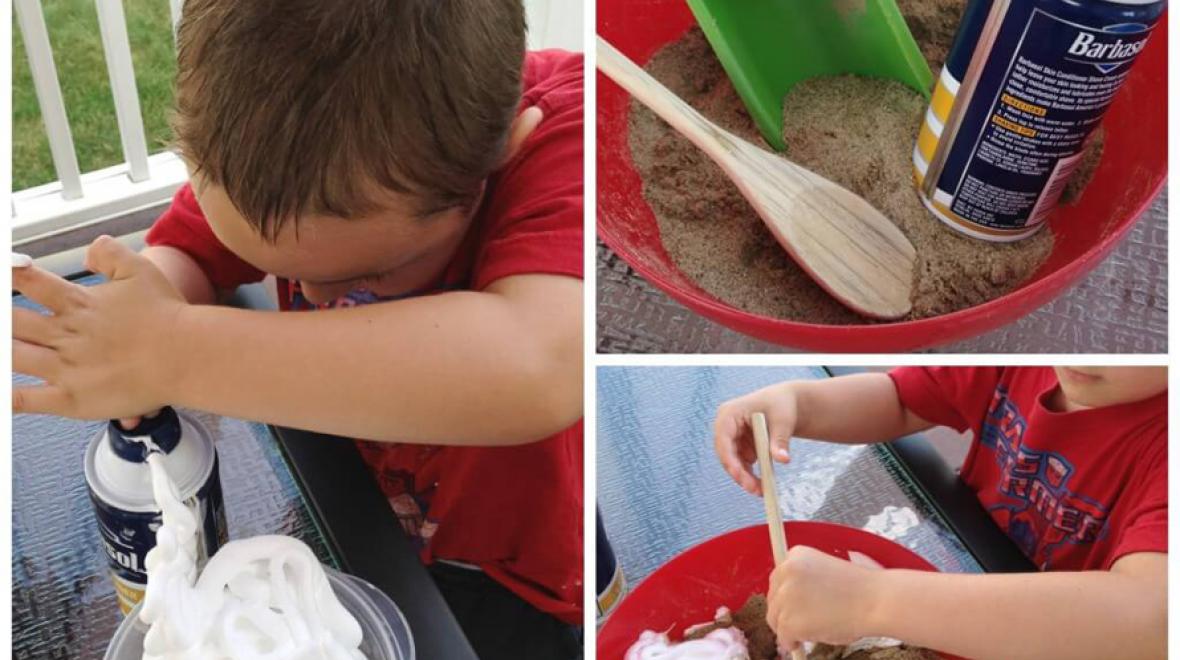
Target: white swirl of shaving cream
[721,644]
[262,598]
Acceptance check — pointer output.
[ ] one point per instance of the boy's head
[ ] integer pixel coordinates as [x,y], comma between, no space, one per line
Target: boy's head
[1091,387]
[364,129]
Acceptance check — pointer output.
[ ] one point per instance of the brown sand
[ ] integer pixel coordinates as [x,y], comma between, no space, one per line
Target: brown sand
[751,620]
[888,653]
[1090,157]
[933,24]
[860,134]
[761,643]
[706,226]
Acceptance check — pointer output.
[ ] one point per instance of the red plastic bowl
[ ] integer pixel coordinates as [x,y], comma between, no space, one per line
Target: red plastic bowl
[1133,169]
[724,571]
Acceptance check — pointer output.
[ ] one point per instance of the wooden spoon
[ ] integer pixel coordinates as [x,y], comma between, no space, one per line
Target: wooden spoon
[774,519]
[848,247]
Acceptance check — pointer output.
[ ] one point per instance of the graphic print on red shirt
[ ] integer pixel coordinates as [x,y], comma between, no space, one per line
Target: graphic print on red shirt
[1074,490]
[515,512]
[1039,510]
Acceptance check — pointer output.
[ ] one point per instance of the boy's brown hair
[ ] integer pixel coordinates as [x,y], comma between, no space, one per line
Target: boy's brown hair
[305,106]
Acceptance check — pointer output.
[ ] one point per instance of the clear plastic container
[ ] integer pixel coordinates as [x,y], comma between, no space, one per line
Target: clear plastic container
[386,633]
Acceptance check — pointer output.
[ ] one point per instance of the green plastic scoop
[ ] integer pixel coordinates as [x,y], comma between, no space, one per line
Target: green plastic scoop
[766,46]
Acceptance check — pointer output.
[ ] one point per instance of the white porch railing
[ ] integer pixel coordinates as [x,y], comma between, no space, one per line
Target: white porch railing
[79,199]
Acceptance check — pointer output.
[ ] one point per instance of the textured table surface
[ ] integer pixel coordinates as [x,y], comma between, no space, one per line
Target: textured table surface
[661,489]
[1120,307]
[63,602]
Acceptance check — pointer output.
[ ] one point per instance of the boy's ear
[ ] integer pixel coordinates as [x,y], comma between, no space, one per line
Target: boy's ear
[522,127]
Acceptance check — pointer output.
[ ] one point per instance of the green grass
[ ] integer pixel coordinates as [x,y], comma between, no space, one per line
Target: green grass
[82,73]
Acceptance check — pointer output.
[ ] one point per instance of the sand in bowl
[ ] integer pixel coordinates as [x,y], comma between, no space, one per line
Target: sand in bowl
[708,229]
[762,644]
[858,132]
[933,24]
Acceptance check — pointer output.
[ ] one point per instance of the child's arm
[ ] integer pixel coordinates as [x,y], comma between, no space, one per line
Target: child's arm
[1120,613]
[850,409]
[183,273]
[502,366]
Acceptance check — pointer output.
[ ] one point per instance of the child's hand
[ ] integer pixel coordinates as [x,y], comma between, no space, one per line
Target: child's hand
[105,351]
[816,597]
[733,439]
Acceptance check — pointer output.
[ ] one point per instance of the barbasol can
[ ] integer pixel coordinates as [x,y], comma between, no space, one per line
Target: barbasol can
[609,575]
[120,483]
[1024,85]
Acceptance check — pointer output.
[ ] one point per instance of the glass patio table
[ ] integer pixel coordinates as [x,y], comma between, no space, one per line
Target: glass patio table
[274,481]
[661,489]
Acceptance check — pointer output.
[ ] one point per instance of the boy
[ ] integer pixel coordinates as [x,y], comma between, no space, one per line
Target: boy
[407,170]
[1072,462]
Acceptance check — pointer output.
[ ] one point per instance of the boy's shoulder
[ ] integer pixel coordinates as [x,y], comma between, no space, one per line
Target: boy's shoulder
[532,220]
[949,381]
[552,80]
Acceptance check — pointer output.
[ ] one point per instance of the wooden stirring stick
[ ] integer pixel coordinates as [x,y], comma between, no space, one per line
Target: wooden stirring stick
[778,537]
[774,518]
[847,246]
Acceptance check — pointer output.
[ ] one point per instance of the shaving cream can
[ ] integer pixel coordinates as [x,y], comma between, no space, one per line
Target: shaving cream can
[120,484]
[1024,86]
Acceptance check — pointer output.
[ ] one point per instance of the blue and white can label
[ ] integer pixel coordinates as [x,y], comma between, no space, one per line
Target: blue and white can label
[127,536]
[1025,84]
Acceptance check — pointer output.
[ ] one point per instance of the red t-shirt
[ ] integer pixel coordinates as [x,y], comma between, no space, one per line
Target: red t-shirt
[515,512]
[1075,490]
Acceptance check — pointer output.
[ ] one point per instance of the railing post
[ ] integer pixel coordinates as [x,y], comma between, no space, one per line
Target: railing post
[176,6]
[113,26]
[53,109]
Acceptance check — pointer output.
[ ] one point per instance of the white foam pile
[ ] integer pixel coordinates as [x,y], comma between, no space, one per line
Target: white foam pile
[262,598]
[721,644]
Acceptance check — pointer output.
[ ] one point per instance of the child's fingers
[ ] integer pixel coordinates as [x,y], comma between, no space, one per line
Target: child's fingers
[786,651]
[109,257]
[741,471]
[728,431]
[45,399]
[32,327]
[776,619]
[129,423]
[780,438]
[45,288]
[747,453]
[34,360]
[747,480]
[739,476]
[780,448]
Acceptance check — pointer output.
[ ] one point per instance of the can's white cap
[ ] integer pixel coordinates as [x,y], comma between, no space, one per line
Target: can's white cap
[128,485]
